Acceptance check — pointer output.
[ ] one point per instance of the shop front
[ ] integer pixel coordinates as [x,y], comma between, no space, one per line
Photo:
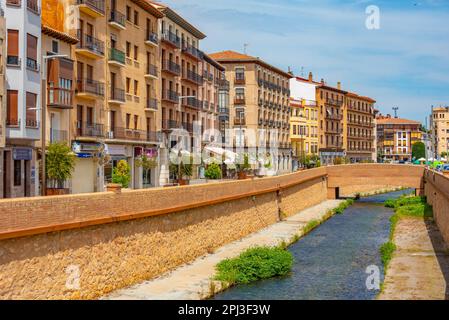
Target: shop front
[88,173]
[19,172]
[145,167]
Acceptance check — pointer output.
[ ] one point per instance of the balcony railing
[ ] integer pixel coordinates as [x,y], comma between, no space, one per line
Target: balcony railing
[170,124]
[90,86]
[223,84]
[239,99]
[117,94]
[33,5]
[192,51]
[32,123]
[334,116]
[172,67]
[151,70]
[152,103]
[192,102]
[12,122]
[88,129]
[118,18]
[90,43]
[223,111]
[32,64]
[121,133]
[58,135]
[58,97]
[171,38]
[13,61]
[170,95]
[239,78]
[206,105]
[97,5]
[334,102]
[194,77]
[152,37]
[116,55]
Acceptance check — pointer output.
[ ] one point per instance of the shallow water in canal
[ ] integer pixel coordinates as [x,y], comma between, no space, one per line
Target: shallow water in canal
[331,261]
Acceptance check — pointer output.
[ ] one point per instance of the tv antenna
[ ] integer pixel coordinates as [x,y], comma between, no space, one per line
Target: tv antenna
[302,72]
[395,109]
[245,46]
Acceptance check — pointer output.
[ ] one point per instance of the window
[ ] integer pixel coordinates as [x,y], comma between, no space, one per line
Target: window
[13,47]
[90,116]
[136,121]
[128,85]
[128,120]
[17,172]
[31,120]
[136,52]
[12,108]
[31,52]
[239,73]
[128,49]
[54,46]
[136,87]
[136,17]
[128,13]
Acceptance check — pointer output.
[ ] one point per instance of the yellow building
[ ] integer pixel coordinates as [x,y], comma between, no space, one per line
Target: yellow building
[440,131]
[298,127]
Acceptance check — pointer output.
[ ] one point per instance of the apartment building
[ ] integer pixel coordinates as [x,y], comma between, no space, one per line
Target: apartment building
[116,109]
[395,138]
[439,120]
[298,127]
[331,111]
[304,92]
[259,102]
[2,96]
[23,98]
[359,127]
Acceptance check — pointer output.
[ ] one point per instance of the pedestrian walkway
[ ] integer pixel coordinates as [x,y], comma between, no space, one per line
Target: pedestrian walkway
[419,269]
[193,281]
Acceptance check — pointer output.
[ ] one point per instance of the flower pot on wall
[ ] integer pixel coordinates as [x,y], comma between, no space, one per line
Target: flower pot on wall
[57,191]
[242,175]
[183,182]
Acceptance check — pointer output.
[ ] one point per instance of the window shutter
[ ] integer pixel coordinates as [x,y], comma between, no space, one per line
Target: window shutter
[13,43]
[30,104]
[31,47]
[11,103]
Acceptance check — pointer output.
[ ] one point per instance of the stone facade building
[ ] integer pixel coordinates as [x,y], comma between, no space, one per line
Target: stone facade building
[439,120]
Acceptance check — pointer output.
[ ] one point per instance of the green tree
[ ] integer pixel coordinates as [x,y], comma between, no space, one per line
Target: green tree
[60,162]
[121,174]
[443,154]
[418,150]
[213,171]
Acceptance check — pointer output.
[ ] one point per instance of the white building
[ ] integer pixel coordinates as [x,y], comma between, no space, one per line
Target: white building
[23,85]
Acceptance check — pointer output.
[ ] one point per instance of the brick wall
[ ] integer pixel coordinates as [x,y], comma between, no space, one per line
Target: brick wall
[437,192]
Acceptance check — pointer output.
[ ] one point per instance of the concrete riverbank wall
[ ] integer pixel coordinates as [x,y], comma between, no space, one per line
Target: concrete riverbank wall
[83,246]
[437,193]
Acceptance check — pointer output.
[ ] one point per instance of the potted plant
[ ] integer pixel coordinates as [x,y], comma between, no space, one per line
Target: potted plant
[121,174]
[60,162]
[243,166]
[213,171]
[181,170]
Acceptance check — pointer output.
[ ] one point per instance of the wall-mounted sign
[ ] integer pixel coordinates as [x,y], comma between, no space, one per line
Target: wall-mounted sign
[84,155]
[80,147]
[22,153]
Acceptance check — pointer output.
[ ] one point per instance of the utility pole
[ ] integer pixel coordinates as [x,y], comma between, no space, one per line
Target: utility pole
[395,109]
[245,47]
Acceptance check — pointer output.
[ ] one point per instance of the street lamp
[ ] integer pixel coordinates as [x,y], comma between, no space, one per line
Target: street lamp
[44,116]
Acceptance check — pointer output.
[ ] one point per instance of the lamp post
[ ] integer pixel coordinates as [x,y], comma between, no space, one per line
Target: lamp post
[44,115]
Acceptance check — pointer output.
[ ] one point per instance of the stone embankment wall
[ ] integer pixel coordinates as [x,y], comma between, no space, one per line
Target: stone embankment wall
[83,246]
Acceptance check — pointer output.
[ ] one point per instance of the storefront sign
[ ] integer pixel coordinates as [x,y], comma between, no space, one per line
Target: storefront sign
[22,153]
[79,147]
[149,152]
[84,155]
[116,149]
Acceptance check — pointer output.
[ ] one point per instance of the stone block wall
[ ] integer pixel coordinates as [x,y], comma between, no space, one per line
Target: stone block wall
[437,192]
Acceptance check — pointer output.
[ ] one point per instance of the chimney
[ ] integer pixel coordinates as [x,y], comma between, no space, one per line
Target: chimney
[290,72]
[322,81]
[310,77]
[339,85]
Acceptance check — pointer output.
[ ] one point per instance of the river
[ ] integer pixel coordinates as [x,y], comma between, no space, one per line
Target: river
[331,261]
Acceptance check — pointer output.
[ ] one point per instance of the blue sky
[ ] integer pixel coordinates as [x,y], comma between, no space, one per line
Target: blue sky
[405,63]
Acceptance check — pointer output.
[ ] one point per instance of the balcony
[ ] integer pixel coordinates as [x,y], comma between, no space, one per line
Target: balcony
[33,6]
[32,65]
[239,99]
[192,51]
[89,46]
[89,88]
[192,102]
[151,72]
[170,96]
[151,105]
[239,78]
[117,20]
[32,123]
[333,102]
[333,131]
[171,67]
[58,135]
[212,107]
[205,105]
[127,134]
[117,96]
[116,57]
[170,124]
[88,129]
[223,111]
[93,8]
[171,38]
[223,84]
[151,39]
[13,61]
[193,77]
[239,122]
[60,98]
[334,116]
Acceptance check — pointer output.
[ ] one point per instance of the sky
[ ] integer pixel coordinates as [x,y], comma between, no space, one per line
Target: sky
[404,63]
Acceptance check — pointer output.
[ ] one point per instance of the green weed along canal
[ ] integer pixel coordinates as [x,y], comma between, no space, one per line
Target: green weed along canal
[331,261]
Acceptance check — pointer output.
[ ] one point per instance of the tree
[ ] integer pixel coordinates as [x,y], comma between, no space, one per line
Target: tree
[443,154]
[60,162]
[121,174]
[418,150]
[213,171]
